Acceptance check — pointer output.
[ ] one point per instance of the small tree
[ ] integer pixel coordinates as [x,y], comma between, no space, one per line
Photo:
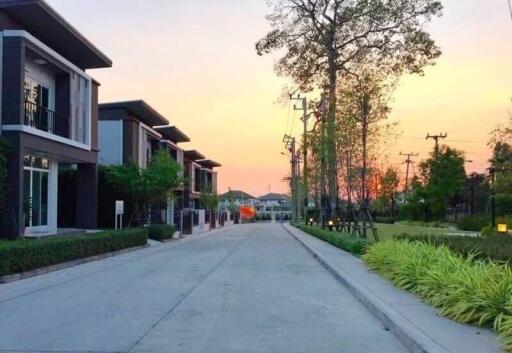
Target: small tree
[209,199]
[145,187]
[388,185]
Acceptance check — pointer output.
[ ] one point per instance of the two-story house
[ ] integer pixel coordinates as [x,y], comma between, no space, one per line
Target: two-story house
[126,134]
[171,138]
[48,115]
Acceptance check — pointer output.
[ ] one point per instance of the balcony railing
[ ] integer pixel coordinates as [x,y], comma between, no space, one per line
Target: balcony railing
[44,119]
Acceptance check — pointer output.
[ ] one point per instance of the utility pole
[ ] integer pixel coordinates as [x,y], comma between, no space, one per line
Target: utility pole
[304,119]
[408,161]
[436,139]
[290,145]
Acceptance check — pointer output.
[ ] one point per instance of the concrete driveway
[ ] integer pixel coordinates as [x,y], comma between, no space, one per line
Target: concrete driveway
[249,288]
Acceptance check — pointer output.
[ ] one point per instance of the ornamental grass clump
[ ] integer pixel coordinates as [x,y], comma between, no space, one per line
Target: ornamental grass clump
[463,288]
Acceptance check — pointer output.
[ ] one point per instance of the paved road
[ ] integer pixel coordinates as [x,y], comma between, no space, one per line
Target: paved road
[245,289]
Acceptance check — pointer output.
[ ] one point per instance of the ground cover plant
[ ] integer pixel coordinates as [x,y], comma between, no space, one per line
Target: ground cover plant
[343,241]
[497,247]
[461,287]
[24,255]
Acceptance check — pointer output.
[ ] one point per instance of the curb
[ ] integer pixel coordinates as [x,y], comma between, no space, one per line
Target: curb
[411,337]
[63,265]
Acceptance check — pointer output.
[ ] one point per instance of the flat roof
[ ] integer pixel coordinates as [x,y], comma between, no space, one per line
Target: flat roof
[193,155]
[147,114]
[172,133]
[43,22]
[208,163]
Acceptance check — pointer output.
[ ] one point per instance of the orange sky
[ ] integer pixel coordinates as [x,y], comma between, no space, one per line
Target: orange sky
[194,61]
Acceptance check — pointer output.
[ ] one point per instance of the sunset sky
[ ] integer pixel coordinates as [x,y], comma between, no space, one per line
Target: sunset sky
[194,61]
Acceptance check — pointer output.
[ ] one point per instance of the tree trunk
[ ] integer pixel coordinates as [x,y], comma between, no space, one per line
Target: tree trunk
[331,128]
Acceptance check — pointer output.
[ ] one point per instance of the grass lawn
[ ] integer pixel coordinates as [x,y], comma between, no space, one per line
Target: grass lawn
[387,231]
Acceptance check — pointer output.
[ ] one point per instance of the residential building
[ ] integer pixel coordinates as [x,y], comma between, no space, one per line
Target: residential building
[274,199]
[237,198]
[126,134]
[49,116]
[171,137]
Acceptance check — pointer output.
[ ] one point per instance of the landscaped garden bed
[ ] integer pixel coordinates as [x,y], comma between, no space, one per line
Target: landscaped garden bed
[498,247]
[461,287]
[343,241]
[24,255]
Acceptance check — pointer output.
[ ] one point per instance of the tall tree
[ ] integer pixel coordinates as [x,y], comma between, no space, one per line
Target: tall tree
[323,38]
[442,179]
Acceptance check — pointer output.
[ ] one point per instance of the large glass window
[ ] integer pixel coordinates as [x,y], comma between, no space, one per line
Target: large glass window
[36,177]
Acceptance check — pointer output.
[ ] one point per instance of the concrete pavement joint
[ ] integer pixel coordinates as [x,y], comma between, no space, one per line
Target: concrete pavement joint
[183,297]
[148,251]
[411,337]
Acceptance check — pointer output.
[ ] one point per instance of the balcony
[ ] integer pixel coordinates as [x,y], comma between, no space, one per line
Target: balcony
[44,119]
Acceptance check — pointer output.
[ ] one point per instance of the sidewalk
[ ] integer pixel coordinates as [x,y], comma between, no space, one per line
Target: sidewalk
[416,324]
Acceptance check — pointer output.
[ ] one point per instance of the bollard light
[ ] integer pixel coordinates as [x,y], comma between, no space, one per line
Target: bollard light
[311,221]
[502,228]
[331,223]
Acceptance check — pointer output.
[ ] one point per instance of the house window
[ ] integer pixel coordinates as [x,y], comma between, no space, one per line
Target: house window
[35,184]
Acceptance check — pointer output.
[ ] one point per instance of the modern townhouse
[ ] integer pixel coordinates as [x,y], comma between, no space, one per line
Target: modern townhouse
[49,116]
[200,177]
[171,137]
[134,131]
[126,134]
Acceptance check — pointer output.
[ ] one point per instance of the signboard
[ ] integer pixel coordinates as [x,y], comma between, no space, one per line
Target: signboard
[119,214]
[119,207]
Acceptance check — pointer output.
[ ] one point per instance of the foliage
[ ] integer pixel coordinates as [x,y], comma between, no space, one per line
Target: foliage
[495,247]
[144,187]
[341,240]
[24,255]
[474,223]
[325,40]
[384,219]
[388,185]
[442,177]
[209,200]
[161,231]
[501,163]
[462,288]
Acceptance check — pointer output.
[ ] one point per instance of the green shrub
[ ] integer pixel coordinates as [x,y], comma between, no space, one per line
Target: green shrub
[383,219]
[462,288]
[494,247]
[25,255]
[473,223]
[343,241]
[161,231]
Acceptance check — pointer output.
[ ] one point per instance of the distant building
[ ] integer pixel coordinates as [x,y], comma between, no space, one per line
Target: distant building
[237,198]
[274,199]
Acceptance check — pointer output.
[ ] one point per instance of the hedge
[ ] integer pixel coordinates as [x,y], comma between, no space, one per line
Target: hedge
[473,223]
[25,255]
[161,231]
[498,247]
[343,241]
[462,288]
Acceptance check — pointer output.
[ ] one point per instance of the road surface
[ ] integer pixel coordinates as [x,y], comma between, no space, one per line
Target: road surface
[243,289]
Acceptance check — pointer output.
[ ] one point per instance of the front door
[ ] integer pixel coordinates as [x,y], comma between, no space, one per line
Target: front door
[36,173]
